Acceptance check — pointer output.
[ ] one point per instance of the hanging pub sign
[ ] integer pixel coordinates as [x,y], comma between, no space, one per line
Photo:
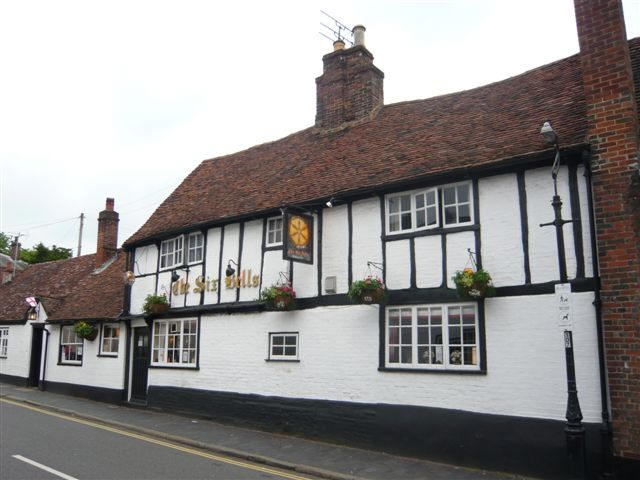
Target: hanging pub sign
[298,238]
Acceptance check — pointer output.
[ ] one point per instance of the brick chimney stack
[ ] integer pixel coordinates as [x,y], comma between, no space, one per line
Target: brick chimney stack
[350,87]
[107,233]
[613,133]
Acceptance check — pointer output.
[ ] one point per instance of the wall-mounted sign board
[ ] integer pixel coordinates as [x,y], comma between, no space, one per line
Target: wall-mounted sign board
[298,237]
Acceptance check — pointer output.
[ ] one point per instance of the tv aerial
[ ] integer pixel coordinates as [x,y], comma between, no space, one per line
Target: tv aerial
[338,30]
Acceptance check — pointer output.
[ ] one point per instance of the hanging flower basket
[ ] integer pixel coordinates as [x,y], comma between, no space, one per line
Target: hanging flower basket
[86,330]
[279,297]
[473,284]
[155,305]
[368,291]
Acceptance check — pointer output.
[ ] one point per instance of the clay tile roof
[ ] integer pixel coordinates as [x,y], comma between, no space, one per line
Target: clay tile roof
[67,289]
[403,141]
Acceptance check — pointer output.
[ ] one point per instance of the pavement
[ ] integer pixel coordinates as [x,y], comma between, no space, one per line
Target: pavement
[323,460]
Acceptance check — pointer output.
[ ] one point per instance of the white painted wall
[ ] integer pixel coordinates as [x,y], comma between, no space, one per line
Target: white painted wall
[230,251]
[398,263]
[339,360]
[428,261]
[457,254]
[251,256]
[18,350]
[142,287]
[212,257]
[145,260]
[335,246]
[107,372]
[501,233]
[543,250]
[367,228]
[273,265]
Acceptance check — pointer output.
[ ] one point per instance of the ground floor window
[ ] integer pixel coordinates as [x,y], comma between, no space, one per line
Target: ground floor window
[175,342]
[110,339]
[433,337]
[283,346]
[71,346]
[4,341]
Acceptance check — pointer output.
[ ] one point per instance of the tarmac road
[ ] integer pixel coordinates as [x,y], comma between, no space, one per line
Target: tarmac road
[38,444]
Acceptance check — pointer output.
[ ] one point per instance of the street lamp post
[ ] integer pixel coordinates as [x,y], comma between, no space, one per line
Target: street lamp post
[574,430]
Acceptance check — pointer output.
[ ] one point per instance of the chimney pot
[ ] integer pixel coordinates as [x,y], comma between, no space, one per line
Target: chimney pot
[358,35]
[338,45]
[109,204]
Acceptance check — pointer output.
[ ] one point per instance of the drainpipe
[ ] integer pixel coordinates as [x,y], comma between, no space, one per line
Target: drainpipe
[42,383]
[606,432]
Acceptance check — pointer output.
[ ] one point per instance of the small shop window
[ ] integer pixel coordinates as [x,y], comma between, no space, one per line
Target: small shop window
[110,339]
[283,346]
[71,346]
[175,342]
[433,337]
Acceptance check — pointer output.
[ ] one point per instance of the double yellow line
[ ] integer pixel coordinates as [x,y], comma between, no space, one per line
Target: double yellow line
[174,446]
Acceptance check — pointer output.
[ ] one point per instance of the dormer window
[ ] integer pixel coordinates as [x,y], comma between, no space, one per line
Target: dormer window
[274,232]
[456,201]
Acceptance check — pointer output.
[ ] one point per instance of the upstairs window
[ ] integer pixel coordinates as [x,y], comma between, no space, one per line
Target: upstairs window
[274,231]
[196,247]
[413,211]
[4,341]
[456,200]
[171,252]
[447,206]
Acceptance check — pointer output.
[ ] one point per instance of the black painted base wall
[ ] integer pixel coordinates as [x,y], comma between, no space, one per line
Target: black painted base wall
[14,380]
[496,442]
[626,468]
[100,394]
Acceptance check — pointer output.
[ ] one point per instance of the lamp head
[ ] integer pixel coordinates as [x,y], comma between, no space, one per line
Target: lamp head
[330,202]
[548,133]
[33,314]
[129,278]
[174,276]
[230,270]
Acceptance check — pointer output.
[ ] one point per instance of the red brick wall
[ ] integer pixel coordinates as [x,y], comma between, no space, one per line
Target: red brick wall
[613,134]
[349,89]
[107,233]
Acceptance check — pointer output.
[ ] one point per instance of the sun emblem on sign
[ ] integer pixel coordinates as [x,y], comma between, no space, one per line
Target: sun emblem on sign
[298,231]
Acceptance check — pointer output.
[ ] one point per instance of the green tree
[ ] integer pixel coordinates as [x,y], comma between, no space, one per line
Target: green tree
[5,243]
[41,253]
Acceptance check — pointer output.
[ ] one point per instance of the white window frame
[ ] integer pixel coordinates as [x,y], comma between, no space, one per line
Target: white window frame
[173,257]
[446,364]
[78,344]
[158,334]
[4,341]
[413,210]
[196,248]
[270,222]
[284,356]
[103,337]
[457,204]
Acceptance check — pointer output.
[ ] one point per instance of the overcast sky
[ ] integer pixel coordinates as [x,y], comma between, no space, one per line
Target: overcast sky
[124,99]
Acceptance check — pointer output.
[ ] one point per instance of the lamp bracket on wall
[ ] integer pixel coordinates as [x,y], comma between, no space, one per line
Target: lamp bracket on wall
[230,270]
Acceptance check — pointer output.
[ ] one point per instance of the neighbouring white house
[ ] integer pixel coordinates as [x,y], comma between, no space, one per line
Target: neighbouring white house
[40,307]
